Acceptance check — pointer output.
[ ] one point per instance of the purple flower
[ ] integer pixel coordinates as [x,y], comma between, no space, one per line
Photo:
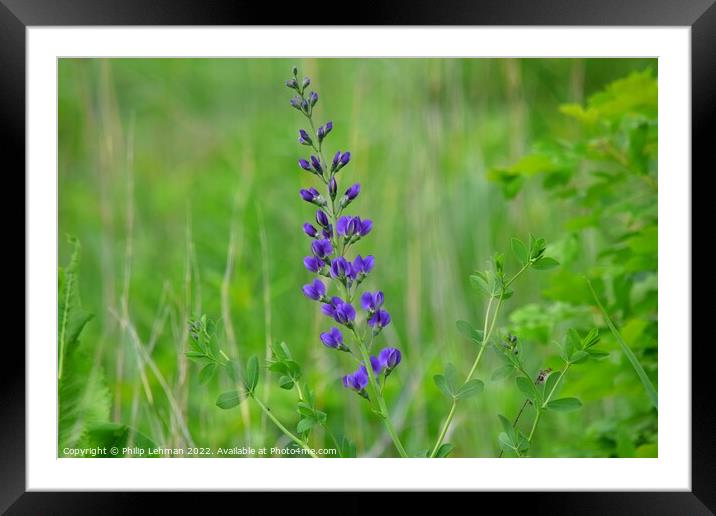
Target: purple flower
[313,98]
[340,267]
[358,380]
[316,165]
[379,320]
[310,230]
[333,339]
[363,265]
[322,218]
[315,290]
[376,365]
[303,138]
[347,226]
[365,227]
[389,358]
[312,263]
[295,102]
[345,158]
[336,160]
[345,314]
[353,192]
[304,164]
[313,196]
[292,83]
[333,188]
[321,248]
[372,301]
[306,81]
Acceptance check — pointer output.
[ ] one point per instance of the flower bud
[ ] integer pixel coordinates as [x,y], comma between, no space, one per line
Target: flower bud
[304,164]
[316,165]
[295,71]
[306,81]
[292,83]
[322,218]
[310,230]
[333,188]
[304,138]
[313,98]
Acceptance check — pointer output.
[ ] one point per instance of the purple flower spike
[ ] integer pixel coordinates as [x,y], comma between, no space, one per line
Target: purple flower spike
[379,320]
[310,230]
[316,165]
[315,290]
[304,164]
[389,358]
[333,338]
[303,138]
[322,248]
[312,263]
[322,219]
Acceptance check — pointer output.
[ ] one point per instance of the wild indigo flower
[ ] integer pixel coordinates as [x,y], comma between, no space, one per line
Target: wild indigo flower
[315,290]
[313,196]
[329,251]
[312,263]
[322,248]
[333,338]
[310,230]
[303,138]
[322,219]
[379,320]
[371,302]
[357,381]
[389,358]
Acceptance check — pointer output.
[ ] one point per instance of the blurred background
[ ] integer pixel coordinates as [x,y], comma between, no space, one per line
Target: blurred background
[179,179]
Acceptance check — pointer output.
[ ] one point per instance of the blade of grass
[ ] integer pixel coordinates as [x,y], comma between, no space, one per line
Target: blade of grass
[648,386]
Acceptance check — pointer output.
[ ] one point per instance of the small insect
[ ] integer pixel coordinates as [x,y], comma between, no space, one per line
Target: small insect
[542,376]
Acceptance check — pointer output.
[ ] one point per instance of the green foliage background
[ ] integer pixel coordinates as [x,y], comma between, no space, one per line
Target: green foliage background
[169,168]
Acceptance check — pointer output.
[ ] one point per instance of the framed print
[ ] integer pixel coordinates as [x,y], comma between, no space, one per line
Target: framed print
[451,255]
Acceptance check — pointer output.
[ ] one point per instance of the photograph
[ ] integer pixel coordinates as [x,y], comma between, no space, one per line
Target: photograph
[386,257]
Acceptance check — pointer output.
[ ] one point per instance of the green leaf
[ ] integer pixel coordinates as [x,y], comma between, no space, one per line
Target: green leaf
[519,250]
[564,404]
[545,263]
[305,424]
[442,384]
[595,354]
[479,281]
[444,450]
[645,381]
[305,409]
[230,399]
[285,383]
[507,427]
[108,435]
[471,388]
[502,372]
[506,442]
[467,331]
[527,387]
[551,381]
[452,377]
[252,373]
[578,357]
[207,373]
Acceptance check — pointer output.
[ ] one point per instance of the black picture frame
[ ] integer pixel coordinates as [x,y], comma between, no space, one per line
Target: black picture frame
[17,15]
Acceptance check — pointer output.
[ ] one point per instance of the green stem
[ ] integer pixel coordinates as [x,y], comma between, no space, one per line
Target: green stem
[486,334]
[285,430]
[377,398]
[534,425]
[546,401]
